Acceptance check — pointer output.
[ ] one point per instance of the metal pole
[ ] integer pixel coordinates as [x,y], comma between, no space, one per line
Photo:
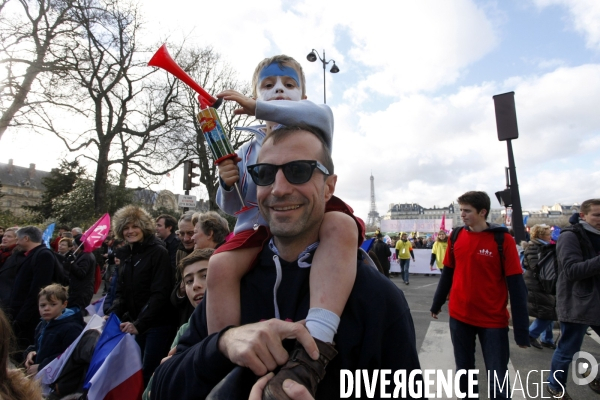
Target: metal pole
[517,213]
[324,88]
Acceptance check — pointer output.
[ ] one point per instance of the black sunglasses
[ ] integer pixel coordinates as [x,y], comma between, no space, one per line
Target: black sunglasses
[296,172]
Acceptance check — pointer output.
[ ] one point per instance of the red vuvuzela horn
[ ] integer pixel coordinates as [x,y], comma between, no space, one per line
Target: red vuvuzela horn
[162,59]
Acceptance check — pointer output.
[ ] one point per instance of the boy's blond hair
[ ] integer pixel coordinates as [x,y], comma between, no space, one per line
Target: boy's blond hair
[55,290]
[280,60]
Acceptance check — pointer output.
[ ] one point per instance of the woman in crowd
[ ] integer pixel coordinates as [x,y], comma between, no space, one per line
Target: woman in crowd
[540,304]
[438,251]
[64,254]
[144,286]
[210,230]
[13,383]
[65,247]
[11,257]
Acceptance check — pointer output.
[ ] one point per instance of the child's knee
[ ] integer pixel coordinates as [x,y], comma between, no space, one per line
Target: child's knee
[339,226]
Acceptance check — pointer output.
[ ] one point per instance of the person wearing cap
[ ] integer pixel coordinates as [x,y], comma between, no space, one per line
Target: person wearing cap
[383,253]
[81,267]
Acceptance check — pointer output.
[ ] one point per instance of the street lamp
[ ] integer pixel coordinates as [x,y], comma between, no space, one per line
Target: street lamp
[506,124]
[312,57]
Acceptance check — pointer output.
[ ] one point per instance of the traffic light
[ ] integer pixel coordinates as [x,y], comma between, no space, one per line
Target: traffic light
[189,175]
[504,198]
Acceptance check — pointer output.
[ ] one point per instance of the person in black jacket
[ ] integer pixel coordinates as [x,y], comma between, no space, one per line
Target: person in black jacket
[82,272]
[144,286]
[37,271]
[375,330]
[577,293]
[59,327]
[166,225]
[383,253]
[541,305]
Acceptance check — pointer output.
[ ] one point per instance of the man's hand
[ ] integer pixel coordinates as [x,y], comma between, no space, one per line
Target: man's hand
[435,315]
[294,390]
[228,171]
[247,104]
[128,327]
[258,346]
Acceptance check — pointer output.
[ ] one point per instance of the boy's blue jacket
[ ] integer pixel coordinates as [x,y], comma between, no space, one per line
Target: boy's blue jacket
[52,338]
[283,112]
[376,330]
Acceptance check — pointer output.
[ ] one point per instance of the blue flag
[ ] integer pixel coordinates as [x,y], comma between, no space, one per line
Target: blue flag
[110,337]
[525,218]
[367,244]
[48,234]
[555,233]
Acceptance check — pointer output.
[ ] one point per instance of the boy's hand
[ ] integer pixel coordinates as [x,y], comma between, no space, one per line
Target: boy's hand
[228,171]
[248,104]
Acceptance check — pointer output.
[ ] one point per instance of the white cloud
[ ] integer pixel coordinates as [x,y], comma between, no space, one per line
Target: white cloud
[585,17]
[430,150]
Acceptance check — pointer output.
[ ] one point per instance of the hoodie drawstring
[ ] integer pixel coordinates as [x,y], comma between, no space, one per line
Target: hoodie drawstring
[277,283]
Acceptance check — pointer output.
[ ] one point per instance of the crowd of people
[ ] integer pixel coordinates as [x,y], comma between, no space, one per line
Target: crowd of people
[289,295]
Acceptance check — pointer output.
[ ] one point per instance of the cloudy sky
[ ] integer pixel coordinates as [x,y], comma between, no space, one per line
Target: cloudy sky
[413,99]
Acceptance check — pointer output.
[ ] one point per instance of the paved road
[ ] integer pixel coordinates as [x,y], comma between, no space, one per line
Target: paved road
[435,346]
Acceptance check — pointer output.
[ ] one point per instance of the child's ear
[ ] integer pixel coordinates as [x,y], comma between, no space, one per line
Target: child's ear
[305,97]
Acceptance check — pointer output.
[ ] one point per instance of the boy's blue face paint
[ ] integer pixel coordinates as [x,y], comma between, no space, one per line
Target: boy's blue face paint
[274,69]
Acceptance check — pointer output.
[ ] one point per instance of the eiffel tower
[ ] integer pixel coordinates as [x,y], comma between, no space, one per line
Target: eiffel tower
[373,218]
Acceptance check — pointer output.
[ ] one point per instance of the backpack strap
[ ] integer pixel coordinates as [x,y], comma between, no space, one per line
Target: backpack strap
[453,237]
[499,238]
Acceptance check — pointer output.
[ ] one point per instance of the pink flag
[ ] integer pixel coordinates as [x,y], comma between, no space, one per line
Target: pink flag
[93,237]
[443,224]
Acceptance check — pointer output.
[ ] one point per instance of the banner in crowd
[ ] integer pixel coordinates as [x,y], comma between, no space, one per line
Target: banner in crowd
[414,225]
[97,307]
[92,238]
[420,266]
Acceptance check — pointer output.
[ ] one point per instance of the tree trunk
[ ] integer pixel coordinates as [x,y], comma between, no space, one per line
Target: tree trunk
[101,181]
[124,172]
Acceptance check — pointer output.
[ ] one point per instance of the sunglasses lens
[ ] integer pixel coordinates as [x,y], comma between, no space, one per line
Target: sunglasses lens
[298,172]
[264,174]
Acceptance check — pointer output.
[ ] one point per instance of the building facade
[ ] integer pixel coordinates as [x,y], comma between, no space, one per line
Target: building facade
[416,211]
[21,186]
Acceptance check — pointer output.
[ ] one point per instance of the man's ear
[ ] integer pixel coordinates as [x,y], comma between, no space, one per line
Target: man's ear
[330,182]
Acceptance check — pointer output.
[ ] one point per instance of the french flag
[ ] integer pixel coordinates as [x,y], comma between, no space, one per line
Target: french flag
[115,371]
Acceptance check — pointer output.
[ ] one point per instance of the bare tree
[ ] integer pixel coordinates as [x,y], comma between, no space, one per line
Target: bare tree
[130,110]
[205,66]
[33,41]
